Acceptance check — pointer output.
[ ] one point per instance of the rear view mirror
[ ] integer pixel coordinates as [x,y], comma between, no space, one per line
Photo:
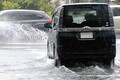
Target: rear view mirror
[47,25]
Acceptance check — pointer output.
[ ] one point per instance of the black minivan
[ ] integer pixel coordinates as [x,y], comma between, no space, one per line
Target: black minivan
[82,32]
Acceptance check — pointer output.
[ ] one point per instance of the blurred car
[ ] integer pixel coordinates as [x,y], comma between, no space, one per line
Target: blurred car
[116,17]
[35,18]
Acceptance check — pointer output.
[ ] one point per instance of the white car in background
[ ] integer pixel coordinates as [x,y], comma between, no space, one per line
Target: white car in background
[116,17]
[35,18]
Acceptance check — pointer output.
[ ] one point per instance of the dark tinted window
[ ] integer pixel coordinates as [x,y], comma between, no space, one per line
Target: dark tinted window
[77,15]
[116,11]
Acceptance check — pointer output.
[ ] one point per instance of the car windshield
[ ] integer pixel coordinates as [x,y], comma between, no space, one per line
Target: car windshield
[77,16]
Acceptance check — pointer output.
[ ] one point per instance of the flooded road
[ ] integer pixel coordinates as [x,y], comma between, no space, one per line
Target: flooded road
[23,57]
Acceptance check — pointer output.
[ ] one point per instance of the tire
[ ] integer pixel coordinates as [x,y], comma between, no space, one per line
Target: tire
[57,63]
[110,63]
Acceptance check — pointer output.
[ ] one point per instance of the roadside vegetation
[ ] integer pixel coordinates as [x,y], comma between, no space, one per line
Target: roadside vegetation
[45,5]
[118,2]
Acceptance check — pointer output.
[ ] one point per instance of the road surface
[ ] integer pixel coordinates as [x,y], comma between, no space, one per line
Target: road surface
[23,57]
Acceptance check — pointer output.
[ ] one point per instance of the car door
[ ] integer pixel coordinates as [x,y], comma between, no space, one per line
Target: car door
[52,35]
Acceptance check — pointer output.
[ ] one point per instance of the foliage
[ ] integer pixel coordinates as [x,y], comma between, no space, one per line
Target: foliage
[0,5]
[10,5]
[118,2]
[28,4]
[44,5]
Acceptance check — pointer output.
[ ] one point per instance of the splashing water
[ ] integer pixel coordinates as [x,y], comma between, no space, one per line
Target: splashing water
[20,33]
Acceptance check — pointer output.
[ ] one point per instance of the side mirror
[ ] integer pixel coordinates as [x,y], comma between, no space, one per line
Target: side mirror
[47,25]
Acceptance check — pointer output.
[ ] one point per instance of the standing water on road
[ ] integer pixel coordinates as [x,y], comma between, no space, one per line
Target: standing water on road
[20,33]
[23,57]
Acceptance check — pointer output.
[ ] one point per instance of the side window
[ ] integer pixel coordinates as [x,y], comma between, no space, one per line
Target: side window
[116,11]
[55,19]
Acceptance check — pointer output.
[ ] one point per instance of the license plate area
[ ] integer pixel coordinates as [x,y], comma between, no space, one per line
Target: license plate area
[86,35]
